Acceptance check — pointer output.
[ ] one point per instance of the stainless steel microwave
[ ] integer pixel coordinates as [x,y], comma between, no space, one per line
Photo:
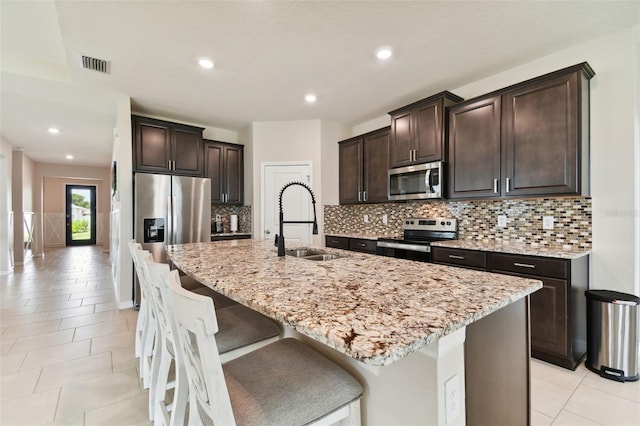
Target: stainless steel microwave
[417,182]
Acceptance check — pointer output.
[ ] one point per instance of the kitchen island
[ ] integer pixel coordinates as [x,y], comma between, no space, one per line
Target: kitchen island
[397,325]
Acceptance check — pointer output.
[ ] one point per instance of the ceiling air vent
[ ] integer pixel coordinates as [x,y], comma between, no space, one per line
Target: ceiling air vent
[94,64]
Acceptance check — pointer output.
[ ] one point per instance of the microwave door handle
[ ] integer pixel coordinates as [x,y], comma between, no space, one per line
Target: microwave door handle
[427,181]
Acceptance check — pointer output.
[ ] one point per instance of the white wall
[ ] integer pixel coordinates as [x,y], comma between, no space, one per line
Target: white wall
[122,207]
[615,143]
[6,232]
[285,141]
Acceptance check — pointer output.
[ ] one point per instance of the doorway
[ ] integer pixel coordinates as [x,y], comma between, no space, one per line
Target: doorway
[296,201]
[80,202]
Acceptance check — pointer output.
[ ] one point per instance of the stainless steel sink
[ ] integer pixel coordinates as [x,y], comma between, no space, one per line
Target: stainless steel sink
[322,257]
[311,254]
[303,252]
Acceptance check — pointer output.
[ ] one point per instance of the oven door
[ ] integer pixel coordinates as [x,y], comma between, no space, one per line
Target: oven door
[421,253]
[418,182]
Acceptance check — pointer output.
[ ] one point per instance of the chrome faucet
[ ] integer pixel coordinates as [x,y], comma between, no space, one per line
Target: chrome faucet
[280,236]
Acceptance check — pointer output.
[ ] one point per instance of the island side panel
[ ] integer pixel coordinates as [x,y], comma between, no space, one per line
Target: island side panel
[497,353]
[411,391]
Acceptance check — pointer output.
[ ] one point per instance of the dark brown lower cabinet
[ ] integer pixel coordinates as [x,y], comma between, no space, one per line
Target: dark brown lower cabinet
[558,309]
[470,259]
[496,358]
[353,244]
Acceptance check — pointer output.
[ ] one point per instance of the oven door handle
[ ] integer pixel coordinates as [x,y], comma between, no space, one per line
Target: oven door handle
[404,246]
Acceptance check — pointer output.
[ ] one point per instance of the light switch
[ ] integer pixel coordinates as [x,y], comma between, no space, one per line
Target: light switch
[384,219]
[502,221]
[547,222]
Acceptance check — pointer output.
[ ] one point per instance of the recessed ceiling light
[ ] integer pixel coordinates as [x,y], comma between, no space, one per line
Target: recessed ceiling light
[384,53]
[206,63]
[310,98]
[69,157]
[54,130]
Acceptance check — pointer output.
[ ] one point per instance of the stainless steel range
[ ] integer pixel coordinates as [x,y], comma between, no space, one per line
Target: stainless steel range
[418,234]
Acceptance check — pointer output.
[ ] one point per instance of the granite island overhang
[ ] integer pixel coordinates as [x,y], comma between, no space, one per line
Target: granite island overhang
[371,308]
[395,321]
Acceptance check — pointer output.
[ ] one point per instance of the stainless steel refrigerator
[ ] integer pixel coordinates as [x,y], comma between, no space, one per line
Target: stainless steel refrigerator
[169,210]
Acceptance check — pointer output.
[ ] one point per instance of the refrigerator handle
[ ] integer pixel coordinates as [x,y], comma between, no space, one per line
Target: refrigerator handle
[169,220]
[174,221]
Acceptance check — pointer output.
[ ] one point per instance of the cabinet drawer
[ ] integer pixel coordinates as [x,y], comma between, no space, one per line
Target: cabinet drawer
[466,258]
[337,242]
[367,246]
[536,266]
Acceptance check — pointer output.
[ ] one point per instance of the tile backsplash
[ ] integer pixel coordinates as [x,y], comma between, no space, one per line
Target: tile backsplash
[225,212]
[477,219]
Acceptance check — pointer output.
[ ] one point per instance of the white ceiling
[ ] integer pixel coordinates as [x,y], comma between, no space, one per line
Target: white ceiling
[268,55]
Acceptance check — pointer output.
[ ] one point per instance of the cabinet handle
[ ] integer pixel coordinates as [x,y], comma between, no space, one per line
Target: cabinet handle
[524,265]
[453,256]
[364,195]
[495,186]
[359,195]
[362,245]
[508,188]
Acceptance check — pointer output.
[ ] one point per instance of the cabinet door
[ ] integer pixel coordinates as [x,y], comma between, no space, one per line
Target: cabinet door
[428,132]
[350,171]
[474,149]
[541,138]
[186,147]
[234,173]
[401,143]
[213,169]
[376,167]
[549,318]
[152,149]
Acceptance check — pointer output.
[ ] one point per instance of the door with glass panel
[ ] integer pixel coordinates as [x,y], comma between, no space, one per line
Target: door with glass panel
[80,215]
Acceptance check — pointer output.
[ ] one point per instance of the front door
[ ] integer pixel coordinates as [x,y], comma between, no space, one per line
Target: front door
[296,201]
[80,215]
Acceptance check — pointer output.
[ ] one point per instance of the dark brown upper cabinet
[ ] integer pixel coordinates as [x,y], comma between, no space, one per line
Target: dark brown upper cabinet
[164,147]
[418,130]
[363,168]
[224,165]
[529,139]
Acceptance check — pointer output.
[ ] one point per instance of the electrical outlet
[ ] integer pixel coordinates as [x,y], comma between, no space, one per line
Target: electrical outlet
[451,399]
[366,218]
[218,218]
[547,222]
[502,221]
[384,219]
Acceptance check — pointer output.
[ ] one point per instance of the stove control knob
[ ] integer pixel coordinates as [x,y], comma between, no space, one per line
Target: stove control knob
[442,223]
[448,223]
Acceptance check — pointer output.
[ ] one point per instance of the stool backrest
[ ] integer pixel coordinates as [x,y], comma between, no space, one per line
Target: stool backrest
[138,255]
[197,324]
[157,275]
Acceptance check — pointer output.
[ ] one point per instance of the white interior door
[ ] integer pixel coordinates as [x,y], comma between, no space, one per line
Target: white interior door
[296,202]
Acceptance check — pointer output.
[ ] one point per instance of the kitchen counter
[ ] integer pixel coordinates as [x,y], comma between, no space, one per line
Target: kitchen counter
[560,252]
[229,235]
[374,309]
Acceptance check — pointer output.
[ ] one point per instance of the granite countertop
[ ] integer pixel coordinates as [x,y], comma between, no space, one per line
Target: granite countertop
[374,309]
[561,252]
[230,234]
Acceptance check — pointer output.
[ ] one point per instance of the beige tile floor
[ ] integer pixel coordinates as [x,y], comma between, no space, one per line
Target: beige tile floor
[67,358]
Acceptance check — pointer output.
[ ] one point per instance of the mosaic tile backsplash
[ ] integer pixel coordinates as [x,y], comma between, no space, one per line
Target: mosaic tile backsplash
[225,212]
[477,219]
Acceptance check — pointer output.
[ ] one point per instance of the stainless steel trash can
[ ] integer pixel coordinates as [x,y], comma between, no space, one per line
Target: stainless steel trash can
[613,322]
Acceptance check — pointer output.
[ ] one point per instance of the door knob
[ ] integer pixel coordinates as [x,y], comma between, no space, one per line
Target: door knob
[267,232]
